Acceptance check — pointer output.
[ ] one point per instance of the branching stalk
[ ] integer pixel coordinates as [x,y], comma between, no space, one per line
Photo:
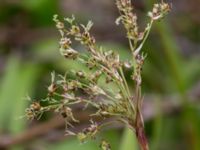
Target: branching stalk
[84,89]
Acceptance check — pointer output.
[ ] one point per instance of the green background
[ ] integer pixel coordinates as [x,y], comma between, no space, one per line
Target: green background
[29,52]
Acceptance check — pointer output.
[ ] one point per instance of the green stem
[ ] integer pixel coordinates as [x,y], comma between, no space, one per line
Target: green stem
[144,39]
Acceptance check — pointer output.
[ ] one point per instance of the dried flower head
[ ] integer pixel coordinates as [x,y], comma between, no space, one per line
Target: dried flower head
[118,103]
[159,11]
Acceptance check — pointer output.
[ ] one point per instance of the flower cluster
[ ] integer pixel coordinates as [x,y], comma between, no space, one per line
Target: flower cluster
[159,11]
[128,19]
[33,110]
[83,88]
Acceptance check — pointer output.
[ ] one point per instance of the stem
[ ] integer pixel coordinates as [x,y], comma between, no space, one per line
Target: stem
[139,124]
[127,89]
[141,137]
[124,80]
[144,39]
[140,133]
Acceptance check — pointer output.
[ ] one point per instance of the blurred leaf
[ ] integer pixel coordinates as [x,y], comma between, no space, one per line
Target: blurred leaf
[27,79]
[73,145]
[7,12]
[7,87]
[46,48]
[113,137]
[17,82]
[41,11]
[129,141]
[192,71]
[173,58]
[157,125]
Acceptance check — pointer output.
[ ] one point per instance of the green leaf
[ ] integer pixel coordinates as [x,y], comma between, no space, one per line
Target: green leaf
[18,81]
[27,79]
[40,11]
[129,141]
[8,91]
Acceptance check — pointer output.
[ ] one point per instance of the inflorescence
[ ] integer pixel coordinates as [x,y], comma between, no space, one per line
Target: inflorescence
[79,87]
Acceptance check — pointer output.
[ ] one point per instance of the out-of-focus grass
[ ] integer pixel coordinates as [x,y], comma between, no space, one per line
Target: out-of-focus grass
[157,126]
[41,11]
[180,81]
[18,80]
[128,140]
[176,67]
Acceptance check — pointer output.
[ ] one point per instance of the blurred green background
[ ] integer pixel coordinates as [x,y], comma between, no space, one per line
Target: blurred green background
[29,53]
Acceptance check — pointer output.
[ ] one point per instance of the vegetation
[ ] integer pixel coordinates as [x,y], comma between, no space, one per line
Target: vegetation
[170,75]
[78,87]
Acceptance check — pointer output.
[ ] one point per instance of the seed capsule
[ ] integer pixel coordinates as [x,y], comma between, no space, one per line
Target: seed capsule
[80,74]
[52,88]
[69,53]
[65,43]
[60,25]
[35,106]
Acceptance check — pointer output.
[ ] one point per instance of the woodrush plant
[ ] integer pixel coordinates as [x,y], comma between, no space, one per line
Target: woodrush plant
[79,87]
